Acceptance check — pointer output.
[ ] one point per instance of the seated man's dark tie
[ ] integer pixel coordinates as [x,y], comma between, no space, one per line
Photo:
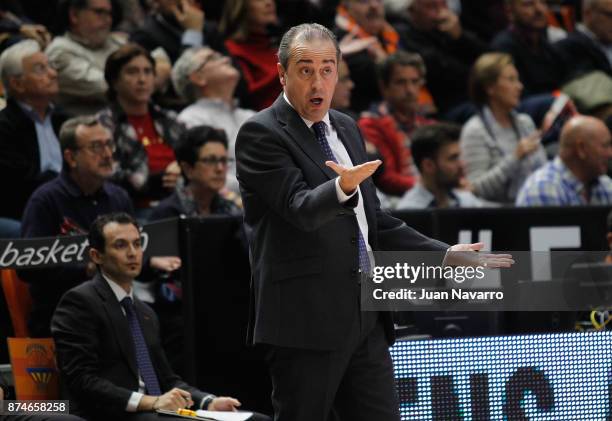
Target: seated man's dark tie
[143,359]
[319,129]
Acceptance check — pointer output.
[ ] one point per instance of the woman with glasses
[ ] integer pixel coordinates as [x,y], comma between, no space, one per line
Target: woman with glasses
[499,146]
[202,155]
[144,133]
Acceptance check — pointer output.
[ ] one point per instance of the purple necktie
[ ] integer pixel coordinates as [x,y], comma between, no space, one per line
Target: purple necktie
[143,359]
[319,129]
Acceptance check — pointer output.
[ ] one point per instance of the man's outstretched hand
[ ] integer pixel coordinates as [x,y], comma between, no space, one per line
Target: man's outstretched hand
[351,178]
[465,255]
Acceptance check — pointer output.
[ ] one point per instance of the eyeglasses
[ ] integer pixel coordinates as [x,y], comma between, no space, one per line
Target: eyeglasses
[101,12]
[211,57]
[213,161]
[98,147]
[41,69]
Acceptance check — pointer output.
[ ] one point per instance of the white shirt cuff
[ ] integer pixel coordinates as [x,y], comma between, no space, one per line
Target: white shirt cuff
[192,37]
[343,197]
[133,402]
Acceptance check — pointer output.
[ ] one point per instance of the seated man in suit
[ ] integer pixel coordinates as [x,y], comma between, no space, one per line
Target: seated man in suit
[107,341]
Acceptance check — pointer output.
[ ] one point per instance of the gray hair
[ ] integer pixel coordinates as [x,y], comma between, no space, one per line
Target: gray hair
[182,69]
[305,32]
[11,60]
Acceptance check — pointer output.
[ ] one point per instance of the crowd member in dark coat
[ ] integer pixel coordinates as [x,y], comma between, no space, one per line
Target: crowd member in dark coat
[177,25]
[589,47]
[528,41]
[29,150]
[435,32]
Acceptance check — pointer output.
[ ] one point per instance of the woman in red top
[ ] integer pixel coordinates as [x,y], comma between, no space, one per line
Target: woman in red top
[144,133]
[245,24]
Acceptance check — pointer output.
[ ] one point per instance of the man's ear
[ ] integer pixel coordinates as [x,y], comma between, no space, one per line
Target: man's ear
[72,15]
[16,84]
[281,73]
[609,237]
[428,166]
[95,256]
[69,158]
[198,79]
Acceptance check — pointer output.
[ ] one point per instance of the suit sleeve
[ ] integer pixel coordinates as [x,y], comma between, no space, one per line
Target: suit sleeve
[267,171]
[74,328]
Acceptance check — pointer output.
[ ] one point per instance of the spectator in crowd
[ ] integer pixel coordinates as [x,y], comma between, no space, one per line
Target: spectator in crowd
[341,100]
[203,156]
[80,54]
[66,206]
[29,149]
[449,51]
[145,133]
[589,47]
[366,22]
[175,25]
[499,146]
[529,41]
[249,27]
[388,125]
[577,176]
[436,153]
[15,26]
[208,81]
[133,14]
[107,340]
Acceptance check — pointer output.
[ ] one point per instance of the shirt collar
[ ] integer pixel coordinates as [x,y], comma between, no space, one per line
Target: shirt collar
[430,200]
[119,292]
[74,190]
[309,123]
[34,115]
[217,103]
[568,177]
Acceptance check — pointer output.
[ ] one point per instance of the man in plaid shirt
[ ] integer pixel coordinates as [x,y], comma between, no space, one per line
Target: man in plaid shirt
[577,176]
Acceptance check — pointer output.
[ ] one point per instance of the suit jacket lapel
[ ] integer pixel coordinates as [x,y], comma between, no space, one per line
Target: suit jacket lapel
[297,130]
[118,321]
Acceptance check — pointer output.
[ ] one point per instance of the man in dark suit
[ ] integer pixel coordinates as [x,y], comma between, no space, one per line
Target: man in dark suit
[588,48]
[29,125]
[107,341]
[312,207]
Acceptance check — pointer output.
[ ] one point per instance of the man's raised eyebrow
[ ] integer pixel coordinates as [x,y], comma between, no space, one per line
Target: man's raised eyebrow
[304,60]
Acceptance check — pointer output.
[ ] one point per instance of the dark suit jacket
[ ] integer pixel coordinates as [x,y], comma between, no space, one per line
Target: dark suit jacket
[581,55]
[304,242]
[95,351]
[19,158]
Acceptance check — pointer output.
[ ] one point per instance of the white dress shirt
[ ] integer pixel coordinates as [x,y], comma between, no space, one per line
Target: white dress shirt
[343,159]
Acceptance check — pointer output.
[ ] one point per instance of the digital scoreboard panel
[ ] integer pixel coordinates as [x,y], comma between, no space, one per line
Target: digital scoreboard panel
[548,377]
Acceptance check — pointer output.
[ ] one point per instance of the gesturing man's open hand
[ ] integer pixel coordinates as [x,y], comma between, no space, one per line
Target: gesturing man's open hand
[350,178]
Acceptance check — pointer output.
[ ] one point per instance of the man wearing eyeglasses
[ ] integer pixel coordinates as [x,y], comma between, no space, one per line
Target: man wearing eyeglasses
[29,150]
[80,54]
[66,206]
